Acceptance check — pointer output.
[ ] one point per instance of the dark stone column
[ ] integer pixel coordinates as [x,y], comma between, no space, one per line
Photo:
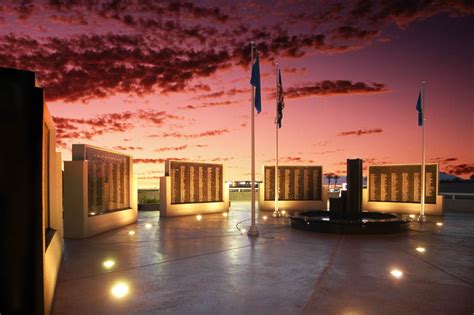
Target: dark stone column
[354,189]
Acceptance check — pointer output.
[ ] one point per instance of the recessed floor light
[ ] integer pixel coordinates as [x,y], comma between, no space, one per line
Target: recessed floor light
[243,231]
[148,226]
[109,263]
[439,223]
[225,214]
[421,249]
[199,217]
[264,218]
[120,290]
[396,273]
[131,232]
[412,216]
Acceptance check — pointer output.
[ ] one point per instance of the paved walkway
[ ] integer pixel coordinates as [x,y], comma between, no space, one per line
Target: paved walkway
[185,266]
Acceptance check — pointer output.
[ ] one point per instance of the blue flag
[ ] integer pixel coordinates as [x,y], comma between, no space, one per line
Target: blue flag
[255,81]
[419,108]
[280,100]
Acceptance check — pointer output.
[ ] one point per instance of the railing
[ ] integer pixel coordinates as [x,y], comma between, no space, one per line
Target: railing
[456,196]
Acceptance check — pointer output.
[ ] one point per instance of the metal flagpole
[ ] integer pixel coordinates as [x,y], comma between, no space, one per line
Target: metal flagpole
[276,213]
[422,217]
[253,228]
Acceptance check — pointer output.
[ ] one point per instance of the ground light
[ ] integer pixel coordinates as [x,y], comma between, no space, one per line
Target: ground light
[148,226]
[421,249]
[131,232]
[412,216]
[243,231]
[283,212]
[265,218]
[109,263]
[396,273]
[119,290]
[224,214]
[439,223]
[199,217]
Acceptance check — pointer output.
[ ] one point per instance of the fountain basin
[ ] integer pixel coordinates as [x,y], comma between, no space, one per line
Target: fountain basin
[370,223]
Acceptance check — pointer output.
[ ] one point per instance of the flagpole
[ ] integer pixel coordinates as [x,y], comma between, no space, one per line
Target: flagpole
[422,217]
[253,231]
[276,213]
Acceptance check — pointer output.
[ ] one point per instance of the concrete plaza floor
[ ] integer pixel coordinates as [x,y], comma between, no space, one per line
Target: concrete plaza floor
[185,266]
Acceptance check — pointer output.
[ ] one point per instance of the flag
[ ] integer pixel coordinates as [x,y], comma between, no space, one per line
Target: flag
[280,101]
[255,81]
[419,108]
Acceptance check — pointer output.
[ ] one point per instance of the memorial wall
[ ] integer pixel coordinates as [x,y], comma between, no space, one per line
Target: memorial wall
[196,182]
[99,191]
[193,188]
[294,183]
[402,183]
[108,178]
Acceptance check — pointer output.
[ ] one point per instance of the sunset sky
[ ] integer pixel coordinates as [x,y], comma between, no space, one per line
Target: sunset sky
[164,80]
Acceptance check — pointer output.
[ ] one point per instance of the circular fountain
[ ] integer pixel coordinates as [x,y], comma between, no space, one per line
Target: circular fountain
[369,223]
[345,214]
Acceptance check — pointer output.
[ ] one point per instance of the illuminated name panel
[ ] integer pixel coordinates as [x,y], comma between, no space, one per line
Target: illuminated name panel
[195,182]
[294,182]
[402,183]
[108,179]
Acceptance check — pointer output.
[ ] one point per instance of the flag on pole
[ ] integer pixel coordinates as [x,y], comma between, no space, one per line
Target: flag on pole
[280,100]
[419,108]
[255,81]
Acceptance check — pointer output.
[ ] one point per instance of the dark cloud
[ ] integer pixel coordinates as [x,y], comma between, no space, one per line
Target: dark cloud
[294,70]
[163,46]
[221,159]
[292,159]
[157,161]
[209,133]
[179,148]
[443,160]
[402,13]
[348,32]
[87,128]
[328,87]
[122,148]
[206,105]
[460,169]
[119,9]
[93,66]
[74,19]
[24,9]
[360,132]
[230,92]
